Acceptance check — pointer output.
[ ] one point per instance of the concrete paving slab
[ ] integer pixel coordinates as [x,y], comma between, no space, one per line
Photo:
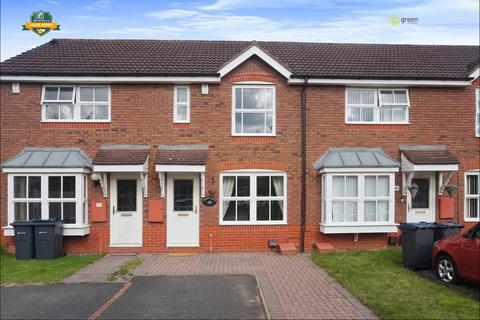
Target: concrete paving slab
[62,301]
[99,270]
[189,297]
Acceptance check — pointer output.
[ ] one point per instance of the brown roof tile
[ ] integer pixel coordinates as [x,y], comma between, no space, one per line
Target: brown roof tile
[182,154]
[195,57]
[429,155]
[122,155]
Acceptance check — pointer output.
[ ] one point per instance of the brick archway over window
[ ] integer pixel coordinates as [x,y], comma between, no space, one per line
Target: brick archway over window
[239,165]
[253,76]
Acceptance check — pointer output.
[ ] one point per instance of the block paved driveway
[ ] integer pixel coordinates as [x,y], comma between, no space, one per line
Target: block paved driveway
[292,287]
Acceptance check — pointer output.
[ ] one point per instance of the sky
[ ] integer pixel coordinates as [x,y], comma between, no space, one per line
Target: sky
[355,21]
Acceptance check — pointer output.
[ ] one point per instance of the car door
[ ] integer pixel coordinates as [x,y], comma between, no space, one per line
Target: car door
[469,257]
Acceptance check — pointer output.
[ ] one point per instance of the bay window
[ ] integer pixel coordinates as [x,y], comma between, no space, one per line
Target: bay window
[367,105]
[253,198]
[472,196]
[253,110]
[357,199]
[75,103]
[48,196]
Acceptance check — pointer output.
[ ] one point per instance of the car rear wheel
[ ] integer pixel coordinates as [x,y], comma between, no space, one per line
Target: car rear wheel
[446,269]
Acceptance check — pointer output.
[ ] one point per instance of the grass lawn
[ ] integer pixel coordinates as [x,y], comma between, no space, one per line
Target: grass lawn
[45,271]
[378,279]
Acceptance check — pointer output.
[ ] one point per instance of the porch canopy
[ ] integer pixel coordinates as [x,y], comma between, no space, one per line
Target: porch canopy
[181,158]
[427,158]
[53,160]
[131,158]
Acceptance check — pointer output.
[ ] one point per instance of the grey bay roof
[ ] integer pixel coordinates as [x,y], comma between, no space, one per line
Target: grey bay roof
[101,57]
[49,158]
[355,158]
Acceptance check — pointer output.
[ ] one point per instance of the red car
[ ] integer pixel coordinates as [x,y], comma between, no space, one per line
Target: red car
[458,257]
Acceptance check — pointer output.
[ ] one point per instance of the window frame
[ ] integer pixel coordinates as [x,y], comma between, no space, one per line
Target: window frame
[253,198]
[273,111]
[76,103]
[377,107]
[27,199]
[327,198]
[477,112]
[176,104]
[81,195]
[471,196]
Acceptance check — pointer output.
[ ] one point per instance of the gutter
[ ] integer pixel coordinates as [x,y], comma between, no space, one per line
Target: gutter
[303,196]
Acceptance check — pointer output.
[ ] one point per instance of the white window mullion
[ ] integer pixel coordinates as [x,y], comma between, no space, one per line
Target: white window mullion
[361,198]
[253,198]
[44,181]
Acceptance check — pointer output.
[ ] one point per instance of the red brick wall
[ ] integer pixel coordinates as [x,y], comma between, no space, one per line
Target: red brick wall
[142,114]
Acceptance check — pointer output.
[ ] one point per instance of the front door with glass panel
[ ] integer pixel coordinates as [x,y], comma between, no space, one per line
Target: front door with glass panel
[182,210]
[125,211]
[421,207]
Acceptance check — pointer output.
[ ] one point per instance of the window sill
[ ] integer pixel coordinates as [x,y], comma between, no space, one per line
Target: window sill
[67,231]
[471,219]
[246,223]
[358,228]
[381,126]
[181,125]
[74,125]
[255,139]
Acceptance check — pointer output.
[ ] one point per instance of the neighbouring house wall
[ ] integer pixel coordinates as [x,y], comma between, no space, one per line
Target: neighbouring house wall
[437,116]
[143,114]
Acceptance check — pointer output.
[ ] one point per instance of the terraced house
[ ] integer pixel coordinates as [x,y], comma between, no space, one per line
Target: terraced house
[157,146]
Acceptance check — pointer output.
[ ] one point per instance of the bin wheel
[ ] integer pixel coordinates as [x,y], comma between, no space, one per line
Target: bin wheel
[446,270]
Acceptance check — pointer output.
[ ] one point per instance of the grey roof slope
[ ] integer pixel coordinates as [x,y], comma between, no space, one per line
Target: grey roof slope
[122,154]
[355,158]
[203,58]
[182,154]
[49,158]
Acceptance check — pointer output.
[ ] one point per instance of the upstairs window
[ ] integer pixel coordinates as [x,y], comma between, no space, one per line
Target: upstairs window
[75,103]
[253,110]
[377,105]
[181,104]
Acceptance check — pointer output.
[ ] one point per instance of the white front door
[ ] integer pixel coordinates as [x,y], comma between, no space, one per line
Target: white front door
[125,210]
[183,210]
[422,207]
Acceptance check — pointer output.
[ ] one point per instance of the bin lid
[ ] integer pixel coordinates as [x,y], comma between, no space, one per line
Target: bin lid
[36,222]
[21,223]
[419,225]
[453,225]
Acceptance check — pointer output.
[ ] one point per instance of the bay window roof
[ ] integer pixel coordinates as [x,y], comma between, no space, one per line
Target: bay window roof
[355,158]
[48,158]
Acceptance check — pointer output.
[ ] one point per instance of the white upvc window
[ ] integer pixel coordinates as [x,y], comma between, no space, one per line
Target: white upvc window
[76,103]
[357,198]
[181,104]
[258,197]
[472,196]
[48,196]
[253,110]
[477,113]
[369,105]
